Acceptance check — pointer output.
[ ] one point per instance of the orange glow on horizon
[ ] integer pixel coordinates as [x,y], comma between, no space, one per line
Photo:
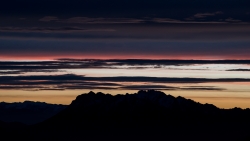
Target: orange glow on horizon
[219,99]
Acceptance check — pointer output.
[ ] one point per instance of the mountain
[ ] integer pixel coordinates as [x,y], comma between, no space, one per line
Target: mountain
[28,112]
[146,115]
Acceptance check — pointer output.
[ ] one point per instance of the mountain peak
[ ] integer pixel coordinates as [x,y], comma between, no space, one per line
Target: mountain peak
[141,98]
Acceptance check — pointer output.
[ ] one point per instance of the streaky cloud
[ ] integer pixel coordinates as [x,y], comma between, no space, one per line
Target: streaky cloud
[71,81]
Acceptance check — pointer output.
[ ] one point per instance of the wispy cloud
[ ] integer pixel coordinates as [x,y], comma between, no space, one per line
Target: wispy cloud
[209,88]
[233,20]
[87,20]
[212,17]
[48,19]
[204,15]
[148,87]
[166,20]
[164,87]
[195,19]
[23,71]
[100,20]
[52,29]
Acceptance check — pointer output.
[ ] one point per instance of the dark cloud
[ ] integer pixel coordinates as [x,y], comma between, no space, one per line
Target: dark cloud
[83,82]
[51,89]
[165,20]
[56,84]
[125,48]
[87,20]
[88,87]
[204,15]
[121,41]
[148,87]
[48,19]
[23,71]
[10,72]
[66,82]
[84,38]
[51,29]
[233,20]
[101,20]
[11,67]
[238,70]
[208,88]
[164,87]
[21,87]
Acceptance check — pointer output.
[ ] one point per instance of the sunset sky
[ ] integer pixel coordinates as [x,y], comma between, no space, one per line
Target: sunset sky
[53,50]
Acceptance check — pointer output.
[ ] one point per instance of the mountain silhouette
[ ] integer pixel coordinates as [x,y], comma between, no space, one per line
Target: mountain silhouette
[28,112]
[146,115]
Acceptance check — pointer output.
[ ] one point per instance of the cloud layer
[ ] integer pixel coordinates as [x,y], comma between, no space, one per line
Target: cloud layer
[13,67]
[70,81]
[54,75]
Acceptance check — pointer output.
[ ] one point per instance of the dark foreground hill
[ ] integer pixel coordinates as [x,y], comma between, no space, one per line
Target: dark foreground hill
[28,112]
[146,115]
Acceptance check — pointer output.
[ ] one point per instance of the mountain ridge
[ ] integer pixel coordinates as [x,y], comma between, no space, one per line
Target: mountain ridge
[145,115]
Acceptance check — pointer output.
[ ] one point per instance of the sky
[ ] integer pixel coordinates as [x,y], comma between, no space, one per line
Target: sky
[53,50]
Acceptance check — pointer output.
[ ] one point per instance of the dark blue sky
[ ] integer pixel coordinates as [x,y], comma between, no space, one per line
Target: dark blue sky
[178,9]
[180,29]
